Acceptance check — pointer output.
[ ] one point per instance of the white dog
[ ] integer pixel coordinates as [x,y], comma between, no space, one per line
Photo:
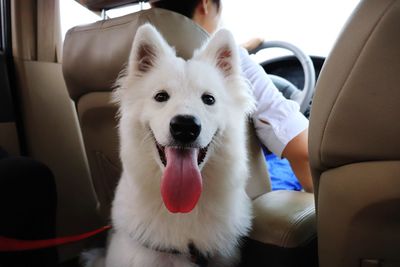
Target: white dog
[181,200]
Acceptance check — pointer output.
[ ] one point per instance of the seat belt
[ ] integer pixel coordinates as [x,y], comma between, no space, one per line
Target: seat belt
[10,244]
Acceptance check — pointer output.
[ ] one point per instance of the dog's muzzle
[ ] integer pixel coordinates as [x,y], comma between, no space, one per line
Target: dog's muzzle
[184,130]
[181,181]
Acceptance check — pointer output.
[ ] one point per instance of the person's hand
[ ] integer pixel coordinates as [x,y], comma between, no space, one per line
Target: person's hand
[252,43]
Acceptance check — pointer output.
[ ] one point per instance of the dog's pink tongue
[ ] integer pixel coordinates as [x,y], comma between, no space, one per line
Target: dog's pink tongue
[181,182]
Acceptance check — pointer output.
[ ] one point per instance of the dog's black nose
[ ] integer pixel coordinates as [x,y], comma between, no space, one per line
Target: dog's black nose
[185,128]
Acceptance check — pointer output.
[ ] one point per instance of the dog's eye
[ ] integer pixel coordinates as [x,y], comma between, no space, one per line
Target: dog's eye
[208,99]
[161,96]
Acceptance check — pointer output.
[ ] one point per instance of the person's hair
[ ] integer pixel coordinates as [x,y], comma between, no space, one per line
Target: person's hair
[183,7]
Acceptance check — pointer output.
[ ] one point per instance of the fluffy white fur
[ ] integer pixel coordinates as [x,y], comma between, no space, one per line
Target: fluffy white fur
[223,213]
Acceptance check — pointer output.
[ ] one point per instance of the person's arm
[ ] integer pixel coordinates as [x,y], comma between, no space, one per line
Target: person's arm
[296,152]
[279,124]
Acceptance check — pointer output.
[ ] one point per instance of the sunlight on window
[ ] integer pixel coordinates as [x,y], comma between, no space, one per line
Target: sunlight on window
[127,10]
[312,25]
[73,14]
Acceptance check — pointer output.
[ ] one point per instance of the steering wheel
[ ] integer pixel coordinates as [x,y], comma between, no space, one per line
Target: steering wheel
[288,89]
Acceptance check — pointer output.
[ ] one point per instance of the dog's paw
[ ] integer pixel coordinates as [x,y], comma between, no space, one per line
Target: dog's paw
[93,258]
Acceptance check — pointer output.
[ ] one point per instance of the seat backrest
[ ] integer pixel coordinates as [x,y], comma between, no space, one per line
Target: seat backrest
[355,141]
[93,56]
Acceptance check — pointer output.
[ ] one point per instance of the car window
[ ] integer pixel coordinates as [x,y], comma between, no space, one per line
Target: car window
[312,25]
[73,14]
[127,10]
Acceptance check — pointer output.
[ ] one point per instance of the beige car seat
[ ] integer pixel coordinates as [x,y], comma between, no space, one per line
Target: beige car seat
[94,55]
[355,141]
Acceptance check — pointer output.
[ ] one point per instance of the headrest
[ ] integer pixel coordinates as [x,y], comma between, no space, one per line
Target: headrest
[356,107]
[98,5]
[94,54]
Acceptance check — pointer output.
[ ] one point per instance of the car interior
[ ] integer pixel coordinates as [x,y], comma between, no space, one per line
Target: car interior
[56,108]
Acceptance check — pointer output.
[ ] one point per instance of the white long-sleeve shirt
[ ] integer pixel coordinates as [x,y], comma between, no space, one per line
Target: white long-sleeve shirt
[277,120]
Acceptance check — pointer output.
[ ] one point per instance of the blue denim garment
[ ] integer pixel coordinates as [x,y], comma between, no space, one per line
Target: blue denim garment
[281,174]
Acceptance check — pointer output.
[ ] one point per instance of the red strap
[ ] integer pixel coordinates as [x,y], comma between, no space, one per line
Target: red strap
[10,244]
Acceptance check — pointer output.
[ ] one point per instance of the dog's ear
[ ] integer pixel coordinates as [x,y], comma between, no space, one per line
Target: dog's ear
[148,47]
[223,52]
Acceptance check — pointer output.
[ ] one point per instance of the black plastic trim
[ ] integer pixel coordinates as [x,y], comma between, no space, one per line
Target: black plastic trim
[9,98]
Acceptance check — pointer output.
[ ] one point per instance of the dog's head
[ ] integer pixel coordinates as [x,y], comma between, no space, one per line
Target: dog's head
[180,108]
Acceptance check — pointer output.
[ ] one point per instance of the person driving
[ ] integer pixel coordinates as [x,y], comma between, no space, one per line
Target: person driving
[279,124]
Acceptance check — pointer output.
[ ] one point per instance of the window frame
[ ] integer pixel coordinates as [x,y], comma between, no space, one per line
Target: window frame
[9,105]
